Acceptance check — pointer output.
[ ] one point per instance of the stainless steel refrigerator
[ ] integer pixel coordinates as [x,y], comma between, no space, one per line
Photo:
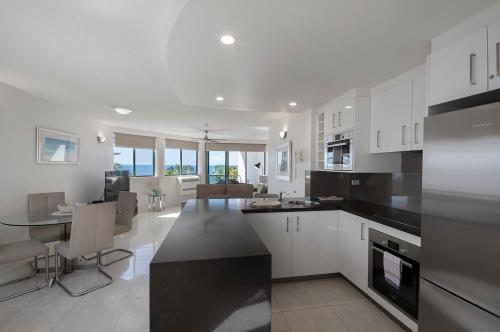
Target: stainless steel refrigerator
[460,272]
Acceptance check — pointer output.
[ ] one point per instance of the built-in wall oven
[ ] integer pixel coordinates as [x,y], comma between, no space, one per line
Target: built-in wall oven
[401,290]
[339,151]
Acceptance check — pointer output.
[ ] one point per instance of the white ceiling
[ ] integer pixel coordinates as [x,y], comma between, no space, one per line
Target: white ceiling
[163,59]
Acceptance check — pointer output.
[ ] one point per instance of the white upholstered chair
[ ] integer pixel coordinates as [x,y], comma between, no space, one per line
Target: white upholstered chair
[127,202]
[92,231]
[22,250]
[44,202]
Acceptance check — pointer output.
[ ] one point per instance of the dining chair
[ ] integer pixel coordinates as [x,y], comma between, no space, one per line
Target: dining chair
[91,232]
[42,202]
[21,250]
[127,202]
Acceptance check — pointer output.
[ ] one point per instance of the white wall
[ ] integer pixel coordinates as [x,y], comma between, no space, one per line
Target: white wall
[298,127]
[20,114]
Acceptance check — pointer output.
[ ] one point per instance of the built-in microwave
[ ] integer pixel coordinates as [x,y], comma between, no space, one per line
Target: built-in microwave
[339,151]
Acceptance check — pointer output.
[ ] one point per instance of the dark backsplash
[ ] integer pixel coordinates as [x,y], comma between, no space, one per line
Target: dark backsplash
[399,190]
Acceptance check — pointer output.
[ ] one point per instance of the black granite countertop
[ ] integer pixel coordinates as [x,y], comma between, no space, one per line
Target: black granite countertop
[210,229]
[217,228]
[405,221]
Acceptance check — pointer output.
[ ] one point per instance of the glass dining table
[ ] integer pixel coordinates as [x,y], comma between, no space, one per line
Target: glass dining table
[44,218]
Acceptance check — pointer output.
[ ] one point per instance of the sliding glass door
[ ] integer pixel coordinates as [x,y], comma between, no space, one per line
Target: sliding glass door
[226,167]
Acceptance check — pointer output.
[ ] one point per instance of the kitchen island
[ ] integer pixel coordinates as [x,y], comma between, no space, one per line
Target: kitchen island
[213,272]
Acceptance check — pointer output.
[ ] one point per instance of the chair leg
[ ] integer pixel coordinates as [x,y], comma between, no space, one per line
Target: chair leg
[99,269]
[43,284]
[128,253]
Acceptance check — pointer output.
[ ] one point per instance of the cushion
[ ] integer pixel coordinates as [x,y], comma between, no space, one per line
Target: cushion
[210,190]
[239,190]
[16,251]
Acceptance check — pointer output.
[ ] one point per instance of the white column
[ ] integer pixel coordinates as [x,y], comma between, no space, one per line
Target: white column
[202,162]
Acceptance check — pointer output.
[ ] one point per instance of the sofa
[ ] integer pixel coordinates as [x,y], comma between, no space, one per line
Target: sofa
[240,190]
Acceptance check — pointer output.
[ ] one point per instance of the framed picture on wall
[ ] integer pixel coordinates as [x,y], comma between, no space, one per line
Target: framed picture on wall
[56,147]
[284,161]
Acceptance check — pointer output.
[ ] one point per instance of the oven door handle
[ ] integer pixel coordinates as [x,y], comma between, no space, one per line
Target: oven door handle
[403,262]
[338,144]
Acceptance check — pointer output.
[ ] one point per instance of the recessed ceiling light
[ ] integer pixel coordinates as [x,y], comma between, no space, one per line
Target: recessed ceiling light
[122,110]
[293,104]
[227,40]
[348,107]
[219,98]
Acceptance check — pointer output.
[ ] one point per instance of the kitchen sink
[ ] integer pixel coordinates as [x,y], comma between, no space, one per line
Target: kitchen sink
[303,203]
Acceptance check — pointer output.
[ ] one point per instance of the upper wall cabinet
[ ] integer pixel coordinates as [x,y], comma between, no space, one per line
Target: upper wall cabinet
[494,55]
[418,112]
[460,69]
[397,114]
[339,114]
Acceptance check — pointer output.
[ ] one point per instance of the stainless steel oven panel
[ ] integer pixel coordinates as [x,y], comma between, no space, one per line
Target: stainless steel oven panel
[405,249]
[340,142]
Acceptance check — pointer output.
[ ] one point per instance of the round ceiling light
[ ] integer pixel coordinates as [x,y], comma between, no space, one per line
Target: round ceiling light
[123,111]
[227,40]
[219,98]
[292,104]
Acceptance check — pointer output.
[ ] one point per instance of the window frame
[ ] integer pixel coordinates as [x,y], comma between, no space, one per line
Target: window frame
[226,165]
[181,164]
[134,164]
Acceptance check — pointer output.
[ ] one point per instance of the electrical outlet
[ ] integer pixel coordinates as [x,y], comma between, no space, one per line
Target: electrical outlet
[355,182]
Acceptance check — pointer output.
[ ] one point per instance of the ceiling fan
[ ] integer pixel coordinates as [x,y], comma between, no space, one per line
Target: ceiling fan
[206,139]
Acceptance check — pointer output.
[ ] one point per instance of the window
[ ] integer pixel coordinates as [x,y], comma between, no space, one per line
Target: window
[216,167]
[234,166]
[181,162]
[139,162]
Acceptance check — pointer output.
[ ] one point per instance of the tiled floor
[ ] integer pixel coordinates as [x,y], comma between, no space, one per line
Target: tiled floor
[320,305]
[325,305]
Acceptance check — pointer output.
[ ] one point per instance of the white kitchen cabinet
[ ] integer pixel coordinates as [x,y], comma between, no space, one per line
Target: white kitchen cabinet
[328,118]
[459,69]
[398,121]
[343,114]
[301,243]
[419,112]
[353,249]
[274,229]
[378,138]
[391,119]
[494,55]
[314,242]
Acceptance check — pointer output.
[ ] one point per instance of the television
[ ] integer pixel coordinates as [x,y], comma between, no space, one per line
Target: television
[114,182]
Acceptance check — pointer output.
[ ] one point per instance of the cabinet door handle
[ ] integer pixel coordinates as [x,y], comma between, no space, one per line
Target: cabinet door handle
[333,120]
[298,224]
[415,133]
[498,58]
[362,231]
[340,119]
[287,224]
[472,62]
[378,138]
[403,135]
